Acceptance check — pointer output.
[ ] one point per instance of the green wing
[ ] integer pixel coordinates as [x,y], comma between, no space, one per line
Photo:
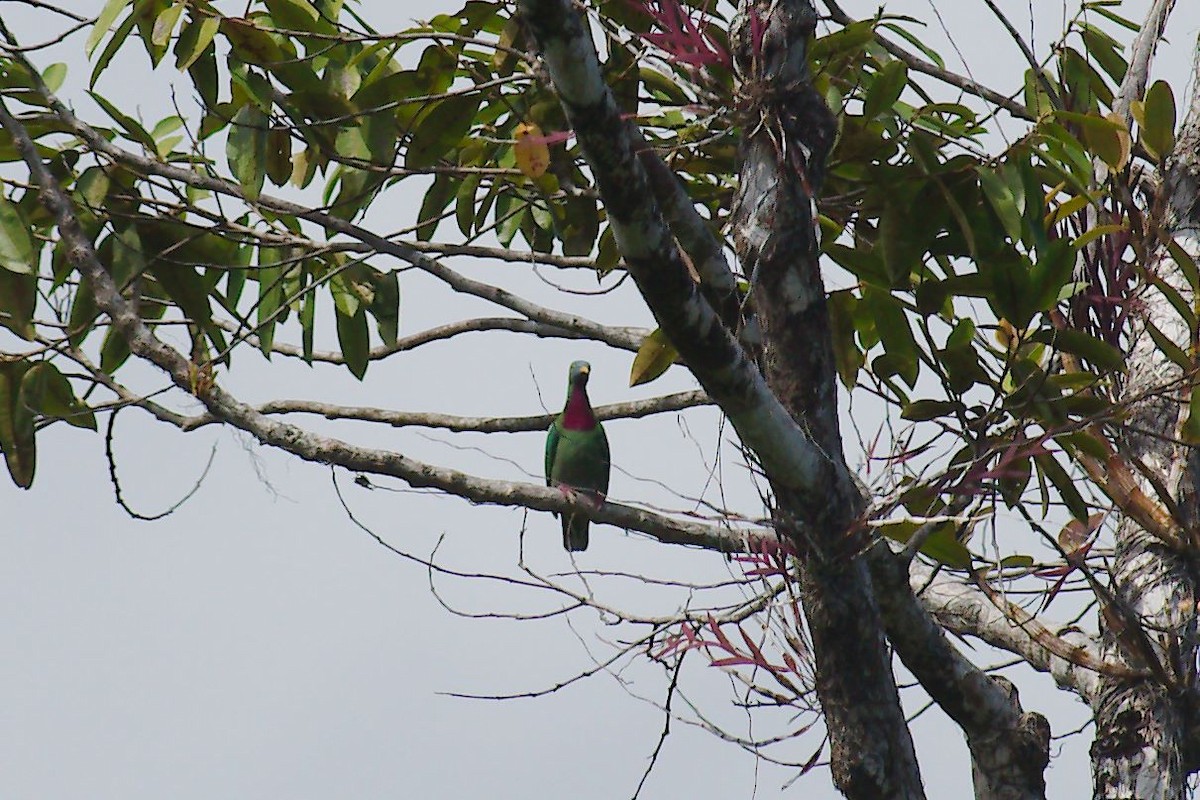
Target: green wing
[553,437]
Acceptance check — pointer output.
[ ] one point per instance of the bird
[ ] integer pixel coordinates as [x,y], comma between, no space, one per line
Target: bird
[577,460]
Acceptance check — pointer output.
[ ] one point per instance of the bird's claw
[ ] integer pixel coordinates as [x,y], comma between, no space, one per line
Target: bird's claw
[594,499]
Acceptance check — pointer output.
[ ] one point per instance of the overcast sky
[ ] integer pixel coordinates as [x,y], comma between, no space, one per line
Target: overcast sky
[258,644]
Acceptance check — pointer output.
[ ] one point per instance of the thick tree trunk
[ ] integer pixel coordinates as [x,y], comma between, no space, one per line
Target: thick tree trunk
[789,130]
[1142,747]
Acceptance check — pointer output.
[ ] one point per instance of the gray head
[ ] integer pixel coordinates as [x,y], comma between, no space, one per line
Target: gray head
[578,375]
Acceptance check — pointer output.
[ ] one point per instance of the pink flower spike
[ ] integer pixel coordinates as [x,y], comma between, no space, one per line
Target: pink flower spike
[681,37]
[757,29]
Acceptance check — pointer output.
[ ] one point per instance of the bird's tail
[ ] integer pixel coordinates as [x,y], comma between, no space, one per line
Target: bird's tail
[575,532]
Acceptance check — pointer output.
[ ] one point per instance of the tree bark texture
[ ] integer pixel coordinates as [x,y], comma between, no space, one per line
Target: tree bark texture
[1143,747]
[788,130]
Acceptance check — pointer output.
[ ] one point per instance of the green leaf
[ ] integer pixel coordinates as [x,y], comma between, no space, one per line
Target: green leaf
[128,124]
[865,265]
[385,305]
[1158,130]
[1052,271]
[1186,264]
[18,298]
[1168,348]
[1190,432]
[308,316]
[114,44]
[16,425]
[16,245]
[251,43]
[54,75]
[580,226]
[108,15]
[1009,296]
[963,367]
[464,203]
[439,195]
[923,410]
[354,341]
[1049,467]
[1084,442]
[83,313]
[1002,200]
[1100,354]
[1092,234]
[114,352]
[298,15]
[164,26]
[1105,51]
[903,240]
[440,129]
[942,545]
[279,156]
[886,89]
[246,149]
[1102,136]
[345,299]
[892,324]
[846,355]
[654,357]
[48,392]
[270,295]
[194,39]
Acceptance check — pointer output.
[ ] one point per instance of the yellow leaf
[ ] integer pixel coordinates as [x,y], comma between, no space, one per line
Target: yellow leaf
[1190,431]
[1123,138]
[533,155]
[653,358]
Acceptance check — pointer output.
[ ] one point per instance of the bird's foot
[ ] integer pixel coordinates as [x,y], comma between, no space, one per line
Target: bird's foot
[594,499]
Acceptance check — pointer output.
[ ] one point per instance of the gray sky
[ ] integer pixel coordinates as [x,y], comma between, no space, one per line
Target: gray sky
[258,644]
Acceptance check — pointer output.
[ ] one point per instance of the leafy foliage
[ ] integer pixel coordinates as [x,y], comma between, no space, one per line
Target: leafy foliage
[983,295]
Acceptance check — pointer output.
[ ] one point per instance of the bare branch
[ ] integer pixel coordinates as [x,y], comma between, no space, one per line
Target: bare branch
[934,71]
[1009,747]
[624,338]
[1071,657]
[1133,87]
[633,409]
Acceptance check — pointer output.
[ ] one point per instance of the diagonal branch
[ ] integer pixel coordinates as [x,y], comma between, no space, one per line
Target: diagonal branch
[654,262]
[1069,656]
[460,283]
[321,449]
[837,14]
[1133,87]
[1010,747]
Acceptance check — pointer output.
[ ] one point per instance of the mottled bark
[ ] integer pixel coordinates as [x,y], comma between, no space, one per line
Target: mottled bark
[647,243]
[1143,746]
[789,131]
[1009,746]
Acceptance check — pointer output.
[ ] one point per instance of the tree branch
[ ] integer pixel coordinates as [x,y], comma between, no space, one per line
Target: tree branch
[460,283]
[321,449]
[934,71]
[1071,657]
[631,337]
[1133,87]
[647,243]
[1010,747]
[631,410]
